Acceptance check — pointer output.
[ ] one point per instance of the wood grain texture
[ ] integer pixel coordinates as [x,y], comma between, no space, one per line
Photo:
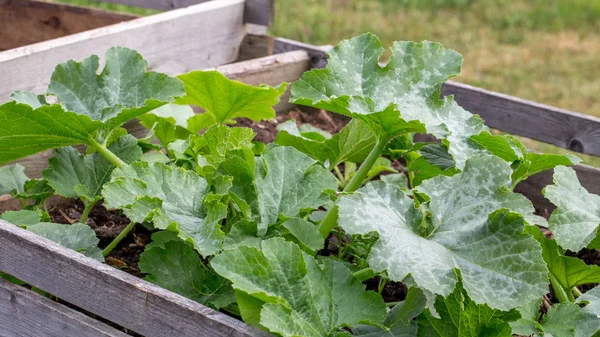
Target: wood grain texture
[569,130]
[110,293]
[260,12]
[174,42]
[24,22]
[27,314]
[256,46]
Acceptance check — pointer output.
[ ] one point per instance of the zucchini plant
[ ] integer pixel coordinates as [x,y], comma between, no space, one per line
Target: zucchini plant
[288,235]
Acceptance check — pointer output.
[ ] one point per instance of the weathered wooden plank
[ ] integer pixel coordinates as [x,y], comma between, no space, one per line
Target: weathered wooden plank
[175,42]
[318,57]
[569,130]
[25,22]
[260,12]
[110,293]
[256,46]
[25,313]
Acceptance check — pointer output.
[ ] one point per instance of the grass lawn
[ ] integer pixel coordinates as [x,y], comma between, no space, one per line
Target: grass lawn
[547,51]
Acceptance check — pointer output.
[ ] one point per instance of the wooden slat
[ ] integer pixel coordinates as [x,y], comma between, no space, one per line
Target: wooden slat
[260,12]
[25,313]
[175,42]
[318,57]
[256,46]
[110,293]
[569,130]
[24,22]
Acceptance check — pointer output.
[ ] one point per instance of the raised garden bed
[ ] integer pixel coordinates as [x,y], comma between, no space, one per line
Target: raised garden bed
[124,303]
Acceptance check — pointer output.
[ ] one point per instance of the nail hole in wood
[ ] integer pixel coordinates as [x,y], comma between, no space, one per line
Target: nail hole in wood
[575,145]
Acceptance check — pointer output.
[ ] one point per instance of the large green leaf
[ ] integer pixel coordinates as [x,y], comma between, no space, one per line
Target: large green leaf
[225,99]
[287,182]
[176,266]
[25,217]
[294,294]
[26,131]
[75,176]
[462,317]
[524,163]
[124,83]
[78,237]
[394,99]
[577,215]
[353,143]
[12,179]
[588,322]
[500,266]
[171,198]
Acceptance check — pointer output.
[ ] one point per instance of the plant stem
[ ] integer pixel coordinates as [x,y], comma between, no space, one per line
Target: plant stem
[23,203]
[329,221]
[118,239]
[364,274]
[559,291]
[106,153]
[576,291]
[86,211]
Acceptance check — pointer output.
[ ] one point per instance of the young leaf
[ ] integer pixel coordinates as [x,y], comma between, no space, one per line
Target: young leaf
[170,198]
[225,99]
[75,176]
[169,122]
[37,190]
[176,266]
[527,163]
[119,93]
[294,294]
[462,317]
[306,234]
[78,237]
[400,320]
[588,322]
[33,100]
[353,143]
[397,98]
[577,215]
[500,266]
[287,182]
[12,179]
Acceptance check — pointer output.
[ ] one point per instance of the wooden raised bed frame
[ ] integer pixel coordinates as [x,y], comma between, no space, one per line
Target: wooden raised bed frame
[210,34]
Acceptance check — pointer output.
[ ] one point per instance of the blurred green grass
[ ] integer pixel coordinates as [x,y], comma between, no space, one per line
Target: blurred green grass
[542,50]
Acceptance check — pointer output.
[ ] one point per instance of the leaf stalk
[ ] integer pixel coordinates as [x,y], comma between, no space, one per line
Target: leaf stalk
[118,239]
[106,153]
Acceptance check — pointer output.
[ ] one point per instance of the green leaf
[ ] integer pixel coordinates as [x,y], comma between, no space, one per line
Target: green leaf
[527,163]
[27,131]
[224,99]
[588,322]
[37,190]
[577,215]
[33,100]
[560,319]
[75,176]
[220,142]
[462,317]
[397,98]
[397,179]
[381,165]
[569,271]
[176,266]
[12,179]
[528,324]
[78,237]
[400,320]
[170,198]
[306,234]
[287,182]
[500,266]
[298,296]
[242,233]
[169,122]
[25,217]
[119,93]
[353,143]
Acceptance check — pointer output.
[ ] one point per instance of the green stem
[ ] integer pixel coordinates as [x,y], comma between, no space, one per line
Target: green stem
[86,211]
[329,221]
[106,153]
[576,291]
[118,239]
[23,203]
[364,274]
[382,283]
[559,291]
